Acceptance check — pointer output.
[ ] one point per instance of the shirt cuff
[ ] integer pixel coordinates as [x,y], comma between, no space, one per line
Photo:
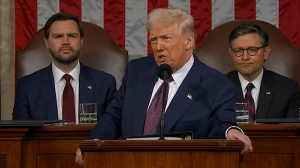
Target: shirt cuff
[233,127]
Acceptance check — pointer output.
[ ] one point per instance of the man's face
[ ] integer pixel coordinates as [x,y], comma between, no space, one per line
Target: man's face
[170,47]
[64,42]
[249,66]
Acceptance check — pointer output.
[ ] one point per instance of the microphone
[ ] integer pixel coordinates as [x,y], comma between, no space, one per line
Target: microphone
[164,72]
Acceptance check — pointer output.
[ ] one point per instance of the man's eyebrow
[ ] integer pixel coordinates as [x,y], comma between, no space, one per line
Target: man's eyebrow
[72,33]
[151,37]
[165,35]
[161,35]
[56,34]
[245,47]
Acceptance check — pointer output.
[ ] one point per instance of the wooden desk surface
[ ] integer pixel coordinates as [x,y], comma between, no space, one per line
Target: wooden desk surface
[44,147]
[162,154]
[275,146]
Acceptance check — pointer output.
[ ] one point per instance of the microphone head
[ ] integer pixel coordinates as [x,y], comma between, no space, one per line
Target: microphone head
[164,71]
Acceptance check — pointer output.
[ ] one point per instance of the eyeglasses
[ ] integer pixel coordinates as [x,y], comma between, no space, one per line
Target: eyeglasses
[252,51]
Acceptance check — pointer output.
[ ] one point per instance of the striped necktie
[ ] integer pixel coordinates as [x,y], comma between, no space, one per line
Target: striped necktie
[249,99]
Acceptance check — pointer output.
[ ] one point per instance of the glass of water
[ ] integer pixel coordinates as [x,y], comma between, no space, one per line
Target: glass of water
[242,112]
[88,113]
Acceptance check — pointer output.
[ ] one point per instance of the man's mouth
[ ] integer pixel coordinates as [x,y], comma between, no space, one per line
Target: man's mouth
[245,63]
[65,49]
[162,58]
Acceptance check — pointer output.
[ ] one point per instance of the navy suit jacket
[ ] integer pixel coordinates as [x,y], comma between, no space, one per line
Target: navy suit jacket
[208,114]
[36,98]
[278,96]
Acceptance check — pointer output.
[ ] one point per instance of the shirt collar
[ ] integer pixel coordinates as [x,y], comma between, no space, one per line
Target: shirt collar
[180,74]
[58,74]
[256,82]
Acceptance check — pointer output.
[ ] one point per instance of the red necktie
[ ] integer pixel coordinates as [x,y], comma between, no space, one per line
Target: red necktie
[68,107]
[249,99]
[153,114]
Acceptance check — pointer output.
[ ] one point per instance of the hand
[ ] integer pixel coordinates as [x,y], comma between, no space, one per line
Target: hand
[234,134]
[79,157]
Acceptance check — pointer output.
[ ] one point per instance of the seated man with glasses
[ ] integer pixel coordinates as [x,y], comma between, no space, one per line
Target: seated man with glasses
[269,94]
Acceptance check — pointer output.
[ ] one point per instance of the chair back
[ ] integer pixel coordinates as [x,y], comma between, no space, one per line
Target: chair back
[284,58]
[99,51]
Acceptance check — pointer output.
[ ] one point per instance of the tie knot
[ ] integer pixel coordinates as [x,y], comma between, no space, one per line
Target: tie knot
[170,79]
[67,77]
[249,87]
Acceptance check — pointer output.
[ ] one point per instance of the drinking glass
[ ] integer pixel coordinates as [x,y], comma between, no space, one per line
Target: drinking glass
[242,112]
[88,113]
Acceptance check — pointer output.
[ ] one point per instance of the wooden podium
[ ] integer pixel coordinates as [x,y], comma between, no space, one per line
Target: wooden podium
[42,147]
[161,153]
[275,146]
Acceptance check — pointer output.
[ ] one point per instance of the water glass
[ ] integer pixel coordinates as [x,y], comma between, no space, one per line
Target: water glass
[88,113]
[242,112]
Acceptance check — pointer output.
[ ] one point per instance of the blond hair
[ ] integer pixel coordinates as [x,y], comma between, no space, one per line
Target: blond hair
[167,17]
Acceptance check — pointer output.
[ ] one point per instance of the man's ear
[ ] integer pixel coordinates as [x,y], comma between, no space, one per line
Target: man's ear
[230,52]
[267,52]
[189,42]
[46,43]
[81,41]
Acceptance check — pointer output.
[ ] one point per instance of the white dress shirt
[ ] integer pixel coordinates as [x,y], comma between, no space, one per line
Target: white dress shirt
[60,84]
[178,77]
[255,90]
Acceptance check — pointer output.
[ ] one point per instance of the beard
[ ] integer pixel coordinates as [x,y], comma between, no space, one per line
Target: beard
[59,58]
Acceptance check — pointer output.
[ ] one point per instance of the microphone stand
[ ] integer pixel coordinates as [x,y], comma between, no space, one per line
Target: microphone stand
[162,120]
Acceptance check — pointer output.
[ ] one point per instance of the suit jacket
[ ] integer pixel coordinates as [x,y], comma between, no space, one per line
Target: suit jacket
[36,97]
[282,100]
[208,114]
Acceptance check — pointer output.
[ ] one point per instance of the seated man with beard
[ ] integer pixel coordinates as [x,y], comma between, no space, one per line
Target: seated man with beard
[55,92]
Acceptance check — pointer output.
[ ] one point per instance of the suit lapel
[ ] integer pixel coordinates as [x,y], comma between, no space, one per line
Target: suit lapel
[266,95]
[180,102]
[86,86]
[48,94]
[143,94]
[236,81]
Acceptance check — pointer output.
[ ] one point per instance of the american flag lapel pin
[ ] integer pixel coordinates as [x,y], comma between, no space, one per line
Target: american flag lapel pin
[189,96]
[89,87]
[268,93]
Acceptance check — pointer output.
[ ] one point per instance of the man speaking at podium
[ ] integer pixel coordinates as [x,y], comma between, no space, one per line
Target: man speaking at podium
[200,99]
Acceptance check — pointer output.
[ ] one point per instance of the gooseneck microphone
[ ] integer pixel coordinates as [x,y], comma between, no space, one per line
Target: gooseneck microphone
[164,72]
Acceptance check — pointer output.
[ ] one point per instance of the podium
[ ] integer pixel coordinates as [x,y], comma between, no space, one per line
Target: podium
[275,146]
[42,147]
[161,153]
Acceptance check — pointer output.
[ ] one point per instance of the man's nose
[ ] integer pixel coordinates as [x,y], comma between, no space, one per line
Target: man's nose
[65,40]
[159,45]
[245,55]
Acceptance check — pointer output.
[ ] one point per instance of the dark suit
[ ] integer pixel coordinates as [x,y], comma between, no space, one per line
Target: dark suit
[36,97]
[278,95]
[208,114]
